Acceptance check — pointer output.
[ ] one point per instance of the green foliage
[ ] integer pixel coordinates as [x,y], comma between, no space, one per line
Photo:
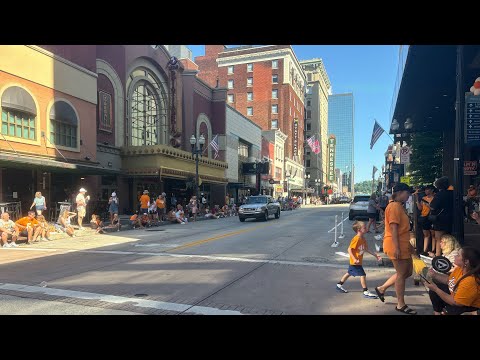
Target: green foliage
[426,158]
[364,187]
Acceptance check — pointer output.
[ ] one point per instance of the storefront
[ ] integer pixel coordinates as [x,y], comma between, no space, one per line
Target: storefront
[432,96]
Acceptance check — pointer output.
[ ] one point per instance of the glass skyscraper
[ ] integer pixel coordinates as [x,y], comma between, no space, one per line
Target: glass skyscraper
[341,111]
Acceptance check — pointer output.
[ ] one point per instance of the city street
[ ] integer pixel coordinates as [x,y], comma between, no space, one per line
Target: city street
[284,266]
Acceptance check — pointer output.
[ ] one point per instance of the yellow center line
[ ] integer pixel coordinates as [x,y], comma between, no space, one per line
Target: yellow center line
[204,241]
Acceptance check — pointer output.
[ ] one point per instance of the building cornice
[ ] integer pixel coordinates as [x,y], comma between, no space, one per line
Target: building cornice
[61,59]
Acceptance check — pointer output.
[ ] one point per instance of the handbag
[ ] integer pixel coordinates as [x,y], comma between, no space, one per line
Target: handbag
[434,218]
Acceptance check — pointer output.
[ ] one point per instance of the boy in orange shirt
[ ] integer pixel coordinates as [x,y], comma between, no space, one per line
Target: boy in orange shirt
[357,247]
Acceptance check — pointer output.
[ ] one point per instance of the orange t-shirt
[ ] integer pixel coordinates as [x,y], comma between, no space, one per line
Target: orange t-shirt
[160,204]
[25,220]
[134,217]
[358,246]
[144,200]
[451,187]
[396,214]
[468,292]
[425,208]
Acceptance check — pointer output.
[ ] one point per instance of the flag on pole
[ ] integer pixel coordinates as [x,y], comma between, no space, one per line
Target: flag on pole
[311,143]
[215,146]
[377,132]
[374,171]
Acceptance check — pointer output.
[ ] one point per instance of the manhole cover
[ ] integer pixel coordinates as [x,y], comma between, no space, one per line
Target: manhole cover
[141,295]
[155,230]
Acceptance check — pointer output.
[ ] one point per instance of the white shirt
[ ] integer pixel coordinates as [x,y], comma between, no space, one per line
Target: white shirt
[204,201]
[80,200]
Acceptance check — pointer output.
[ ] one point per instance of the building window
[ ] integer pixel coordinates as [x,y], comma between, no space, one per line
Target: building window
[230,69]
[274,124]
[309,126]
[19,113]
[274,94]
[242,149]
[250,96]
[230,98]
[275,109]
[290,111]
[274,64]
[18,124]
[290,96]
[309,77]
[308,163]
[275,79]
[63,125]
[278,173]
[249,81]
[309,114]
[250,111]
[230,84]
[308,102]
[249,67]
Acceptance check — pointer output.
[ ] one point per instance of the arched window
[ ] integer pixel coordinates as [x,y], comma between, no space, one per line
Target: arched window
[204,127]
[63,124]
[147,109]
[19,114]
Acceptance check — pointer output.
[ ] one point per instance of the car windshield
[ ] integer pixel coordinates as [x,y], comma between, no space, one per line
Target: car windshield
[257,200]
[361,198]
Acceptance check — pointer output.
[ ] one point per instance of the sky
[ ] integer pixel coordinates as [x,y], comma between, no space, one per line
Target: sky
[369,72]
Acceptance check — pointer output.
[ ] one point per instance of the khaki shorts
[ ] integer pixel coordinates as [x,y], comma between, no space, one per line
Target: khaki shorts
[81,211]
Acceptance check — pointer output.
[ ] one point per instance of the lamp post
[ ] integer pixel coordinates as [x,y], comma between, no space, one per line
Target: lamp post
[197,148]
[287,176]
[306,176]
[317,184]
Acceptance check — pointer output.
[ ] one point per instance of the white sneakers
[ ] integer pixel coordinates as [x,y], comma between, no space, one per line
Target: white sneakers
[6,245]
[341,288]
[12,244]
[369,295]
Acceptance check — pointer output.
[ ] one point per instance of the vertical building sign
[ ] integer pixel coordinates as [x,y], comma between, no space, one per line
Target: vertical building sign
[104,111]
[332,142]
[295,137]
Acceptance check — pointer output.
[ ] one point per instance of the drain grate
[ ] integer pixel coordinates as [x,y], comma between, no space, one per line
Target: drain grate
[141,295]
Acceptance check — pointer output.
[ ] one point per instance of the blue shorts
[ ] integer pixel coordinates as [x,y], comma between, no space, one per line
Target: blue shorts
[356,270]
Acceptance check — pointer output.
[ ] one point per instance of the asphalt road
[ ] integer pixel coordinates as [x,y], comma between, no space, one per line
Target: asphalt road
[284,266]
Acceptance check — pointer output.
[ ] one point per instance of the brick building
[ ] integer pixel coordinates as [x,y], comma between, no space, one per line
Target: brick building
[267,85]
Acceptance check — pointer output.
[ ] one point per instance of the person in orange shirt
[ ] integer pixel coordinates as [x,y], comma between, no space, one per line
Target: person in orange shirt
[423,205]
[357,247]
[161,207]
[144,202]
[463,285]
[29,226]
[396,244]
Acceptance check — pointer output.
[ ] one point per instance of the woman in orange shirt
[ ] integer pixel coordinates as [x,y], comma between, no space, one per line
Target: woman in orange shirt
[463,285]
[396,244]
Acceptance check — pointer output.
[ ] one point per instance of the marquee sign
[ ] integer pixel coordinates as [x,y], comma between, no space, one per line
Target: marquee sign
[332,142]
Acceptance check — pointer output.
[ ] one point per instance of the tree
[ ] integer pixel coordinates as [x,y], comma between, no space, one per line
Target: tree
[426,158]
[364,187]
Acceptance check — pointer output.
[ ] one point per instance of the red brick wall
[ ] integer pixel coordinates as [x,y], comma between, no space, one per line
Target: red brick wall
[105,85]
[268,151]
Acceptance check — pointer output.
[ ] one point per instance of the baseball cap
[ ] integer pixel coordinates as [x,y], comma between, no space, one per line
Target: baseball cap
[114,194]
[82,190]
[401,187]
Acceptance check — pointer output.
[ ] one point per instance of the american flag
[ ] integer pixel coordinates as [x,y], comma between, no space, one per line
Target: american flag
[316,146]
[311,142]
[377,132]
[214,145]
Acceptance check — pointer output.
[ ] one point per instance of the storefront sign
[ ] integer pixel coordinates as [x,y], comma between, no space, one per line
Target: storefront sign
[104,111]
[295,137]
[470,167]
[331,157]
[405,155]
[472,117]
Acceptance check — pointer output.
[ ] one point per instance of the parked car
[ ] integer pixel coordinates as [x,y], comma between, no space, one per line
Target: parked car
[358,207]
[344,200]
[259,207]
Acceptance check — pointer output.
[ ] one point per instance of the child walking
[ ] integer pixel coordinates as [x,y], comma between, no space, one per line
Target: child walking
[357,247]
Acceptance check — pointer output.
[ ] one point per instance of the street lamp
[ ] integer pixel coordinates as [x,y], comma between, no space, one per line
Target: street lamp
[306,176]
[317,184]
[197,148]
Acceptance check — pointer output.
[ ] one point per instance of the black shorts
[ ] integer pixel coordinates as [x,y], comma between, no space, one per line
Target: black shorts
[372,215]
[426,225]
[356,270]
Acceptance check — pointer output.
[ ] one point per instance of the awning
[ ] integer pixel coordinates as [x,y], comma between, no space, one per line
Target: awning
[19,99]
[23,161]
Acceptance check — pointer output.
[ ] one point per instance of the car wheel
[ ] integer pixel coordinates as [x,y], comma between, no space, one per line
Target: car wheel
[277,215]
[350,216]
[265,218]
[241,219]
